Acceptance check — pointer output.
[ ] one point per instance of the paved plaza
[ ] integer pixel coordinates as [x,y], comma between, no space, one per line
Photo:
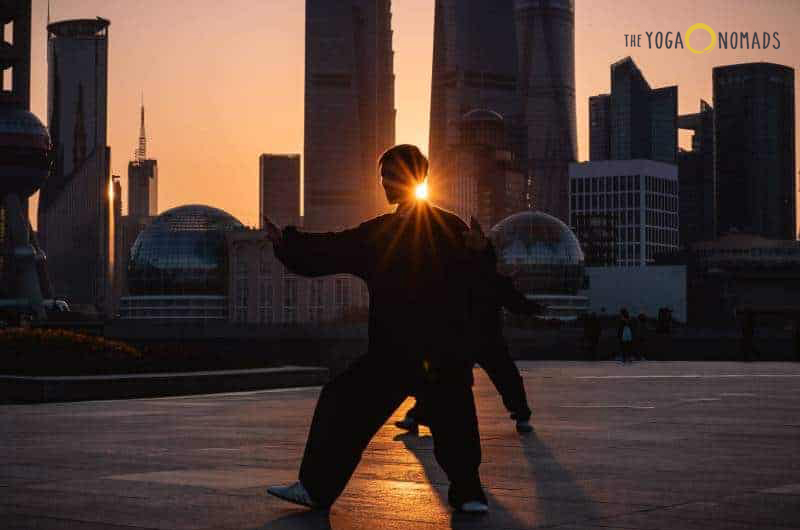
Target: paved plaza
[648,446]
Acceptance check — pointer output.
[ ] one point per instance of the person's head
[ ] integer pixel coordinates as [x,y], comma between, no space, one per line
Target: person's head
[402,168]
[623,313]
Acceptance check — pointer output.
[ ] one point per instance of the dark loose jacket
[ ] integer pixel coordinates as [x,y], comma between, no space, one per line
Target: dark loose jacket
[418,272]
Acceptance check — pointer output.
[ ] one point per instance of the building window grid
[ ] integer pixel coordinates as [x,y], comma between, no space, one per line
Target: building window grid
[341,294]
[656,222]
[316,299]
[289,299]
[242,289]
[265,299]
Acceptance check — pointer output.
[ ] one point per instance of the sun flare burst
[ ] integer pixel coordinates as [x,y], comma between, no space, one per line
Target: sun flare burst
[422,191]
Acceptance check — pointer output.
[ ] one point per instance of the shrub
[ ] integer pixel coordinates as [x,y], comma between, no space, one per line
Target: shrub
[55,351]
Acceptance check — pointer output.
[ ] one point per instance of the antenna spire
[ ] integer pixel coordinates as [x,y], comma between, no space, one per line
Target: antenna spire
[141,152]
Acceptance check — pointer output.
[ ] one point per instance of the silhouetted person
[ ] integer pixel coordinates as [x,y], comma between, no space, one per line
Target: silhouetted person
[748,324]
[488,295]
[416,265]
[625,335]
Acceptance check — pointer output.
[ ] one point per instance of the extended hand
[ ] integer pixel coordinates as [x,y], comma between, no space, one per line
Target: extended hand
[273,232]
[475,238]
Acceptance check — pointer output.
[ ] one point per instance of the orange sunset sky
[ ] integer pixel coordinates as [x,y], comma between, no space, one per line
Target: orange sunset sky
[223,80]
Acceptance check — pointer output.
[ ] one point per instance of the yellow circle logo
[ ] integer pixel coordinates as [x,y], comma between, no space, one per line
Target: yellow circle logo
[707,29]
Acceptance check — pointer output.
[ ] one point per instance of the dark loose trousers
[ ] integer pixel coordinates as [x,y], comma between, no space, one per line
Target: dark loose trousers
[354,405]
[489,294]
[505,377]
[418,269]
[504,374]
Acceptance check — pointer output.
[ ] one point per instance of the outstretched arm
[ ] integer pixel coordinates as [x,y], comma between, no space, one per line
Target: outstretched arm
[319,254]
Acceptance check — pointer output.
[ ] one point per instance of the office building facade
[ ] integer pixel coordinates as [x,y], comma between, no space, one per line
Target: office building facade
[263,292]
[75,211]
[698,204]
[600,127]
[349,109]
[640,196]
[634,121]
[754,161]
[279,189]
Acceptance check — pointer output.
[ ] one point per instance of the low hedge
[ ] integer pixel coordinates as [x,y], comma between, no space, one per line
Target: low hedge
[26,351]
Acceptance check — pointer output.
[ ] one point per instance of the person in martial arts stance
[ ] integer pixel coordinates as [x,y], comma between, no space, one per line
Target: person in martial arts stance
[417,266]
[489,294]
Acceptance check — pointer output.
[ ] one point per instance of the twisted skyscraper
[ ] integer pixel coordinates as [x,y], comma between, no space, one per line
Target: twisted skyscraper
[474,67]
[516,58]
[546,37]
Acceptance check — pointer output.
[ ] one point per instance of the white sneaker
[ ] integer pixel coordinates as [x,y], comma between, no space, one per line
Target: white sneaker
[474,507]
[296,493]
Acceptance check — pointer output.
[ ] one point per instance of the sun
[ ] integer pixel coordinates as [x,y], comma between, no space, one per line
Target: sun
[422,191]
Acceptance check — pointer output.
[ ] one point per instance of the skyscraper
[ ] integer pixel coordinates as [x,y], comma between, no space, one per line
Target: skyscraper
[546,39]
[279,189]
[754,159]
[75,212]
[142,207]
[636,198]
[478,178]
[641,123]
[474,67]
[600,127]
[698,205]
[349,109]
[142,179]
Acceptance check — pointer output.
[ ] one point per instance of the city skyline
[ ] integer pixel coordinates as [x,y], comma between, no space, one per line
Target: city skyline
[206,127]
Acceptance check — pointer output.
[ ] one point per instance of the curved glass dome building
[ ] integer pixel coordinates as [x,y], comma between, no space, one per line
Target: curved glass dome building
[545,259]
[179,265]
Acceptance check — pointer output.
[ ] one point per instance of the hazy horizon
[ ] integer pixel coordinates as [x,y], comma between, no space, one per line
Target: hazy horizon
[223,82]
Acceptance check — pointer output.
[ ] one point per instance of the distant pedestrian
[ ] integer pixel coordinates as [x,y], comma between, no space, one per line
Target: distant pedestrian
[625,335]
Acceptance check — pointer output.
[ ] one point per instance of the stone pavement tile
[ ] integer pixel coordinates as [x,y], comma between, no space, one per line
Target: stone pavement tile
[663,520]
[218,479]
[757,509]
[786,489]
[29,522]
[101,509]
[185,509]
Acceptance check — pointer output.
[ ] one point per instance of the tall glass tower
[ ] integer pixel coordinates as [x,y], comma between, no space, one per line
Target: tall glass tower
[546,38]
[349,109]
[75,206]
[474,67]
[754,156]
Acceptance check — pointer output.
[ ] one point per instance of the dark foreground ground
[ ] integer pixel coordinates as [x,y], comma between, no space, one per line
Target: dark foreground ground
[648,446]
